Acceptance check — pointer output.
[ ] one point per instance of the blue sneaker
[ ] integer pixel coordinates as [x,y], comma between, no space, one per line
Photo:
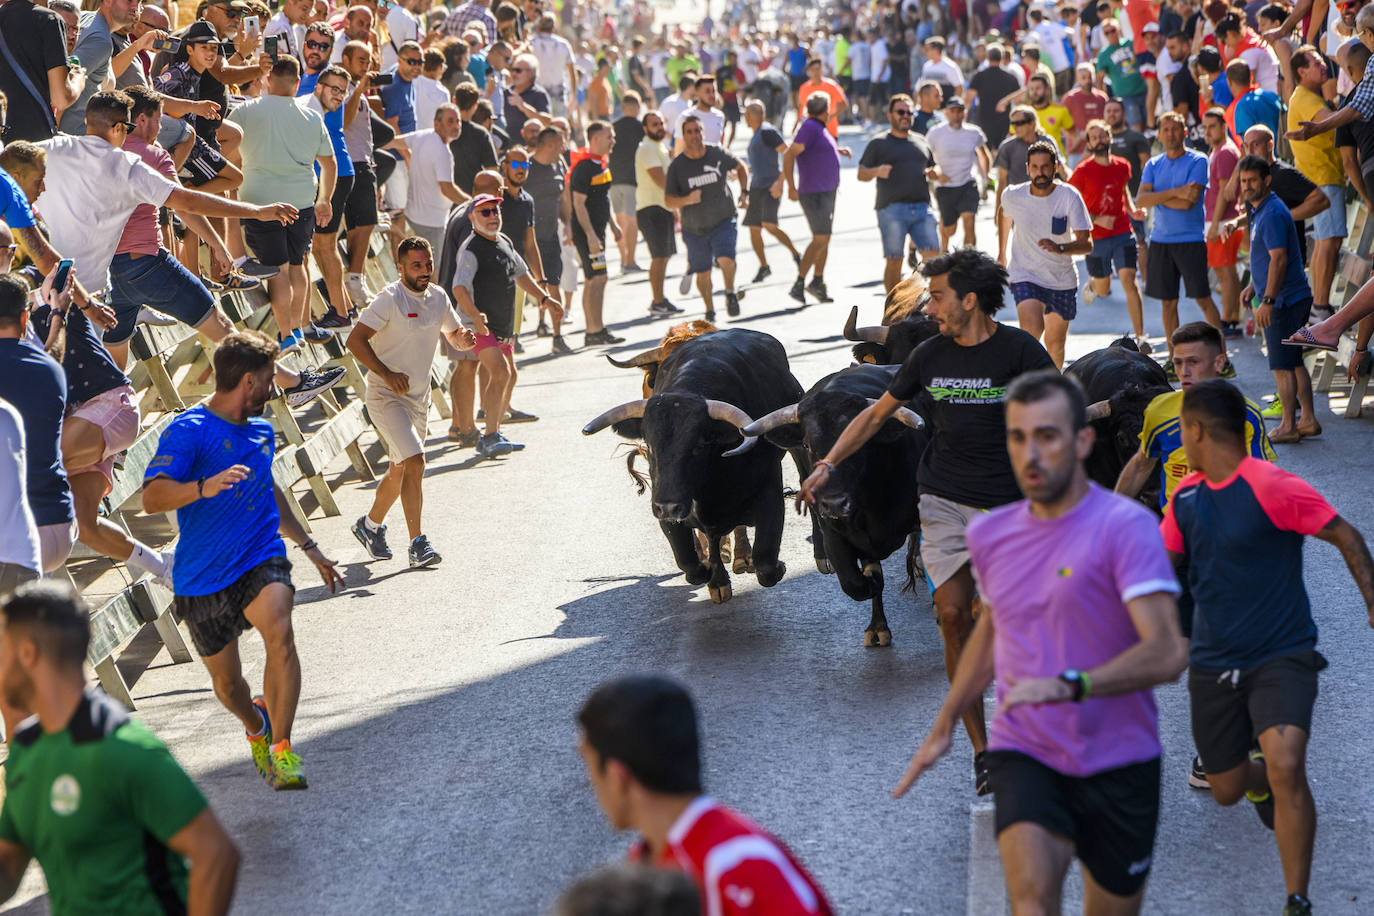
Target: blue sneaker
[374,542]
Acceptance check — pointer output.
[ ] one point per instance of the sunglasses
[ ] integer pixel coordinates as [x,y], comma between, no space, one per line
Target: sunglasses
[129,126]
[408,61]
[518,166]
[319,45]
[489,211]
[903,113]
[1023,122]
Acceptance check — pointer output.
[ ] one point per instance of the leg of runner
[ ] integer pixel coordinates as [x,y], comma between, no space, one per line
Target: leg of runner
[1035,862]
[1295,813]
[756,239]
[1134,305]
[954,612]
[233,692]
[593,295]
[704,288]
[270,615]
[1031,313]
[494,387]
[1056,333]
[892,273]
[776,231]
[1168,309]
[970,234]
[462,395]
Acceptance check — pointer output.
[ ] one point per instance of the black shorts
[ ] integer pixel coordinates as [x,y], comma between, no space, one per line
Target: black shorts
[1110,817]
[731,110]
[956,201]
[1231,709]
[276,245]
[592,265]
[797,82]
[1284,324]
[361,208]
[217,619]
[551,257]
[656,225]
[761,209]
[1170,261]
[343,188]
[819,209]
[203,164]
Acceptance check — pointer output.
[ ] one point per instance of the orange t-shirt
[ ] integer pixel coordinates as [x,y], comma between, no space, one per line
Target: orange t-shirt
[830,88]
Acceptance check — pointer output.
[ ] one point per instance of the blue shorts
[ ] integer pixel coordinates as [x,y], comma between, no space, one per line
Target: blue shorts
[1285,324]
[897,222]
[704,250]
[158,281]
[1330,223]
[1117,252]
[1135,108]
[1063,302]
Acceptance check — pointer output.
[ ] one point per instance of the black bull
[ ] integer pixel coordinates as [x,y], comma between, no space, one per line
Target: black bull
[868,507]
[705,391]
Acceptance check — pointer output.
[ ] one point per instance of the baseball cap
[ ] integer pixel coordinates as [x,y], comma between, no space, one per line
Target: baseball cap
[954,101]
[1149,27]
[481,199]
[232,4]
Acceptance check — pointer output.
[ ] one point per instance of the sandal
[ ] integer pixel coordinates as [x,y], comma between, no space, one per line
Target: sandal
[1317,431]
[1292,438]
[1303,338]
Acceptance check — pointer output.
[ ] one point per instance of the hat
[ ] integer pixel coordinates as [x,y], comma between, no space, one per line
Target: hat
[954,101]
[484,199]
[199,31]
[1149,27]
[232,4]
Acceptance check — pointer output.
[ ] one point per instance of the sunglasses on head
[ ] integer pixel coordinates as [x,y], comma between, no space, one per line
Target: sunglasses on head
[490,211]
[319,45]
[518,166]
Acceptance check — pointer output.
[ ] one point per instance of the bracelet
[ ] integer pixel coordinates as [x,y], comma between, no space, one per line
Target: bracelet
[1087,683]
[830,467]
[200,487]
[309,546]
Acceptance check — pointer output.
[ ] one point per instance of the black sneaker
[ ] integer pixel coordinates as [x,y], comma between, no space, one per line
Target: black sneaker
[560,346]
[1228,370]
[1231,329]
[673,308]
[601,338]
[312,385]
[912,257]
[798,291]
[374,542]
[493,446]
[1264,803]
[238,281]
[1198,777]
[315,334]
[332,321]
[732,305]
[1297,905]
[517,347]
[543,330]
[817,288]
[514,446]
[980,773]
[661,310]
[422,554]
[764,273]
[256,269]
[711,316]
[519,416]
[463,440]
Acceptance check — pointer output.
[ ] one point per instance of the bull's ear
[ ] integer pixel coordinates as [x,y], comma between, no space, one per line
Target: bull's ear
[632,428]
[788,436]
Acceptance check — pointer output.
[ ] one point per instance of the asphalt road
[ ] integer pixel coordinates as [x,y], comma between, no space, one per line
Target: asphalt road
[437,718]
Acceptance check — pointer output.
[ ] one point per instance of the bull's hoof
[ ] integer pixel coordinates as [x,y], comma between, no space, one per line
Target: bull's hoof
[877,638]
[720,595]
[697,576]
[725,550]
[823,564]
[743,564]
[770,576]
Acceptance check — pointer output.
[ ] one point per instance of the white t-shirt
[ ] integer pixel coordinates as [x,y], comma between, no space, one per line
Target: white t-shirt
[860,60]
[749,62]
[431,161]
[91,191]
[18,533]
[403,26]
[554,54]
[1035,218]
[429,95]
[1051,37]
[956,151]
[1165,68]
[658,73]
[294,34]
[1264,67]
[673,106]
[944,71]
[408,326]
[878,63]
[712,124]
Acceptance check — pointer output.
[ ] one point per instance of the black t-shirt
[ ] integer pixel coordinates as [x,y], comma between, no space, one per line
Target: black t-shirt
[37,39]
[708,173]
[908,157]
[517,216]
[590,177]
[1292,188]
[498,266]
[1360,135]
[921,120]
[88,365]
[993,84]
[1184,88]
[628,133]
[472,152]
[1129,144]
[536,98]
[967,459]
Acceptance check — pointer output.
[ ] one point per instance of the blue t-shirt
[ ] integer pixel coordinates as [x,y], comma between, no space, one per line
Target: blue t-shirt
[1258,106]
[1271,227]
[224,536]
[33,382]
[764,167]
[1221,91]
[796,62]
[398,101]
[14,206]
[308,81]
[90,368]
[1162,173]
[477,69]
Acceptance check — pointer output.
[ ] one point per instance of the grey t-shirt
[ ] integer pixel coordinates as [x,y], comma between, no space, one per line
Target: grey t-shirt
[1012,154]
[94,48]
[358,132]
[764,168]
[545,185]
[708,174]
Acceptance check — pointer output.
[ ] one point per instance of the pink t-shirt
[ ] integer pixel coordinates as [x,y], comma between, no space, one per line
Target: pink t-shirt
[141,234]
[1058,590]
[1220,164]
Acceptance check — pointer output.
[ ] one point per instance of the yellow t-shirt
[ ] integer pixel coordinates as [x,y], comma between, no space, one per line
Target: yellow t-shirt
[1316,158]
[1161,438]
[650,153]
[1054,120]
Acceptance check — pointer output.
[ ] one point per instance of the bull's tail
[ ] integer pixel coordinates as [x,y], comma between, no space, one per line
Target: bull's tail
[914,569]
[636,451]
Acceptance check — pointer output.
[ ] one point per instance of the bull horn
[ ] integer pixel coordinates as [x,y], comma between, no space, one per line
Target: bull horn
[639,361]
[724,410]
[627,411]
[905,415]
[872,334]
[1099,410]
[766,424]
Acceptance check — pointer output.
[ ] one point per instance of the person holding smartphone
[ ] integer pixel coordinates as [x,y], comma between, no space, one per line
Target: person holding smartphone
[95,48]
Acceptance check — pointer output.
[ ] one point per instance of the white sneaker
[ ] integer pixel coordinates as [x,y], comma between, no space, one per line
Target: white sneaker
[686,283]
[1143,346]
[357,291]
[154,317]
[1087,294]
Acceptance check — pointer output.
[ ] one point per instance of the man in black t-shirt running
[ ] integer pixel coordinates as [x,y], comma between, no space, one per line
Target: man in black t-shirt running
[964,374]
[590,184]
[696,183]
[902,164]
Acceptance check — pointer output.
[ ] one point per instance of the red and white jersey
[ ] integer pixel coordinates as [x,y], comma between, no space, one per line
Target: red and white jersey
[740,868]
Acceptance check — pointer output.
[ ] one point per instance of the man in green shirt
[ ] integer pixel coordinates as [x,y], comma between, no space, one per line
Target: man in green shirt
[116,824]
[682,60]
[1117,62]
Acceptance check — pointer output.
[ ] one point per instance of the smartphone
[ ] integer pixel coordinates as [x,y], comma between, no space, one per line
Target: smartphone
[170,45]
[59,280]
[269,45]
[250,26]
[383,79]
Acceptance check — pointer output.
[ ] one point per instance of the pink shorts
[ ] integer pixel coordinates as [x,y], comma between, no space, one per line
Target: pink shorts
[487,341]
[117,416]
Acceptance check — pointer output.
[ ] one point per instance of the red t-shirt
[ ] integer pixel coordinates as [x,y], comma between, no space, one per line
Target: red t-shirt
[740,869]
[1085,107]
[1104,191]
[141,234]
[1220,164]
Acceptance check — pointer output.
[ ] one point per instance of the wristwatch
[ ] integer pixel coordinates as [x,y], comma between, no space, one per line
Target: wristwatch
[1268,300]
[1078,681]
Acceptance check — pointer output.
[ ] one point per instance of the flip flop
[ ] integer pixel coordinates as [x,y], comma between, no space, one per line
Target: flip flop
[1303,338]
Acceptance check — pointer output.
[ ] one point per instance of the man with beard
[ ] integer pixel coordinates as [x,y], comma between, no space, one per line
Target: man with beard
[652,216]
[1049,224]
[965,471]
[1076,630]
[316,50]
[95,50]
[696,184]
[396,338]
[116,824]
[901,164]
[214,468]
[327,100]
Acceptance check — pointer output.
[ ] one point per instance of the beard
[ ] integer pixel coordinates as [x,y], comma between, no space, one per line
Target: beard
[1042,181]
[416,284]
[1101,149]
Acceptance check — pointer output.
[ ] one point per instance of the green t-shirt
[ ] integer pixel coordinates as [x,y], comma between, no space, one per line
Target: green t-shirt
[280,142]
[843,65]
[674,67]
[95,804]
[1119,63]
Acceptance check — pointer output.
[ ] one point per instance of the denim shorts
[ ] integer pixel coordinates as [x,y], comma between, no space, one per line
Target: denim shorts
[897,222]
[1135,108]
[158,281]
[704,250]
[1117,252]
[1330,223]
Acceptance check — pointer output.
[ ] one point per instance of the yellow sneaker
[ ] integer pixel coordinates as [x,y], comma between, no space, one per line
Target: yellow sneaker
[287,771]
[261,746]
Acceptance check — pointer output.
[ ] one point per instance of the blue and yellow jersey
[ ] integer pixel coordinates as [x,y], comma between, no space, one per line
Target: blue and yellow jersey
[1161,439]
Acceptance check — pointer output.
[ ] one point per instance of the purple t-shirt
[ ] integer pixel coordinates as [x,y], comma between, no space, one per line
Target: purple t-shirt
[1058,590]
[818,164]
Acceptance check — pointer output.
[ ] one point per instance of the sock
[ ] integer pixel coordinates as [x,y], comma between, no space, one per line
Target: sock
[282,745]
[262,728]
[369,524]
[357,277]
[239,262]
[730,292]
[148,560]
[1256,797]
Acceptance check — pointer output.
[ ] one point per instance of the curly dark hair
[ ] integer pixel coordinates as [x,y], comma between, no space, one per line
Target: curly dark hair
[971,271]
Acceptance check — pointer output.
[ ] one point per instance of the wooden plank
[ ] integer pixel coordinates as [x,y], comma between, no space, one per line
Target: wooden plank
[113,623]
[128,480]
[330,440]
[286,470]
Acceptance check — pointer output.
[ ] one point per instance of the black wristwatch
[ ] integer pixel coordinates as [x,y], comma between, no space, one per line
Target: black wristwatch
[1075,679]
[1268,300]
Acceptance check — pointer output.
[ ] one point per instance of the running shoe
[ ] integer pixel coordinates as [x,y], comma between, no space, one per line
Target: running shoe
[798,290]
[316,334]
[1087,293]
[601,338]
[1274,411]
[261,746]
[560,346]
[1228,370]
[1143,346]
[155,318]
[313,383]
[519,416]
[287,769]
[237,281]
[356,291]
[710,316]
[543,330]
[1263,801]
[817,288]
[422,553]
[673,308]
[1231,330]
[212,285]
[374,542]
[685,284]
[764,273]
[493,446]
[732,305]
[514,446]
[332,321]
[913,258]
[464,440]
[630,268]
[980,773]
[517,347]
[288,343]
[1297,905]
[251,267]
[661,310]
[1198,777]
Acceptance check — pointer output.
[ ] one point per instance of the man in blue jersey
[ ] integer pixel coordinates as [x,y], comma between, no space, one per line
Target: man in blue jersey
[214,468]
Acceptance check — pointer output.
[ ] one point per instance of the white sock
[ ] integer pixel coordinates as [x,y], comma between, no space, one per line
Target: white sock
[239,262]
[148,560]
[369,524]
[357,277]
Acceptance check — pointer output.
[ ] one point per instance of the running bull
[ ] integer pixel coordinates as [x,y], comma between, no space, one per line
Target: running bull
[889,345]
[704,392]
[869,506]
